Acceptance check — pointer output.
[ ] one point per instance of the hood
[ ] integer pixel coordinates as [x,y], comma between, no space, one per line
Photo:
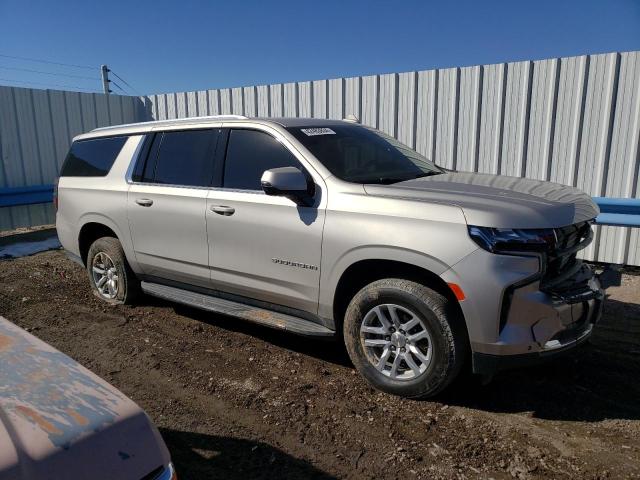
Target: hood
[59,420]
[498,201]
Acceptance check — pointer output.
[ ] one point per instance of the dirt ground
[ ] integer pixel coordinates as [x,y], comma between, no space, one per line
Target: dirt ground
[234,400]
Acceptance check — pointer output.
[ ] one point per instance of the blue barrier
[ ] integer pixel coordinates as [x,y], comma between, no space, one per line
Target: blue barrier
[12,197]
[619,212]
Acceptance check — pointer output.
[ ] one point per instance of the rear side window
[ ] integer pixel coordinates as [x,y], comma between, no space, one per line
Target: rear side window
[92,158]
[249,154]
[181,158]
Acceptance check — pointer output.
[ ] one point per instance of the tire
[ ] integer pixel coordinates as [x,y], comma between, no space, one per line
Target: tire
[119,283]
[430,354]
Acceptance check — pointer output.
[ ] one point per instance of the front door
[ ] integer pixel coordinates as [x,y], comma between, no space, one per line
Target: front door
[166,207]
[263,247]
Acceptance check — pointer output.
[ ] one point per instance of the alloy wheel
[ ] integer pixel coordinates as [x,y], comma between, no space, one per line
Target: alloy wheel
[396,341]
[105,275]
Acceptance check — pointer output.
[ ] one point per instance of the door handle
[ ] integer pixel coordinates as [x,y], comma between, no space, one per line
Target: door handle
[144,202]
[223,210]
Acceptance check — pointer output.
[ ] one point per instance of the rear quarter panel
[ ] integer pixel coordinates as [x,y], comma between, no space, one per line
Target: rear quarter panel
[82,200]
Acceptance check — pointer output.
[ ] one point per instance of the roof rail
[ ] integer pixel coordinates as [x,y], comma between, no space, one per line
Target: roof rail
[216,117]
[175,120]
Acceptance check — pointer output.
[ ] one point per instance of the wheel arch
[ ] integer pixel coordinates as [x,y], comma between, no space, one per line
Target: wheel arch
[93,227]
[365,271]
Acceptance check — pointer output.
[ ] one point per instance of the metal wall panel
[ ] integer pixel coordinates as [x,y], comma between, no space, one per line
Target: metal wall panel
[225,101]
[250,106]
[387,109]
[305,99]
[447,125]
[352,100]
[541,118]
[569,113]
[407,108]
[237,101]
[214,102]
[621,245]
[320,98]
[572,120]
[491,118]
[192,104]
[369,104]
[336,99]
[515,132]
[264,109]
[202,102]
[36,128]
[290,100]
[276,98]
[426,113]
[468,118]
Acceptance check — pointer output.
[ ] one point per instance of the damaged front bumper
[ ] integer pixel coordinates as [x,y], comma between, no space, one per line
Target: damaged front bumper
[547,320]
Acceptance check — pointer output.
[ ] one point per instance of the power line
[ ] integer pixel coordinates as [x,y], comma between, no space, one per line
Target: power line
[118,86]
[125,82]
[12,80]
[48,73]
[47,61]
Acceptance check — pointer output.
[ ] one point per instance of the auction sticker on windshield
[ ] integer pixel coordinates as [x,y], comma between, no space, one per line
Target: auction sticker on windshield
[310,132]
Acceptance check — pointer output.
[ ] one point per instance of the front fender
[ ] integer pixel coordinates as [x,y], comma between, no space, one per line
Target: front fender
[331,277]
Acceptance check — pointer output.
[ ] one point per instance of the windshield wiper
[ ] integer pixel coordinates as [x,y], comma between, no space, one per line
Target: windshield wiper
[390,180]
[387,180]
[428,174]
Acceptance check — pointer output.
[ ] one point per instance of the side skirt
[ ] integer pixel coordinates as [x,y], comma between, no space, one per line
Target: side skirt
[262,316]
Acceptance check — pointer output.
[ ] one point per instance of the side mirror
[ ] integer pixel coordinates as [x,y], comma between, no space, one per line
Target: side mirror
[288,182]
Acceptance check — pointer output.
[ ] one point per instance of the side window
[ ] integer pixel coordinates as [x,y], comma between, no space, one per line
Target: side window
[249,154]
[92,158]
[183,158]
[150,140]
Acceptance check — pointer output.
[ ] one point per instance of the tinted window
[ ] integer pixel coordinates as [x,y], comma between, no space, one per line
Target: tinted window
[363,155]
[92,158]
[137,174]
[184,158]
[249,154]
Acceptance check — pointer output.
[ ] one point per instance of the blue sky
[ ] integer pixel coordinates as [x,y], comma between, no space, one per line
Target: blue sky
[161,46]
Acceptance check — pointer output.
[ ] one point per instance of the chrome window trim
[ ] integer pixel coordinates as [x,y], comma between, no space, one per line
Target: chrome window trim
[237,190]
[170,185]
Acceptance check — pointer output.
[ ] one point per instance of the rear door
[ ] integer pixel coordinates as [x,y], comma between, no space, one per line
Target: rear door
[166,205]
[264,247]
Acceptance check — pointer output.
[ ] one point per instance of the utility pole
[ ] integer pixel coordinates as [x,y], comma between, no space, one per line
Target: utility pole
[105,80]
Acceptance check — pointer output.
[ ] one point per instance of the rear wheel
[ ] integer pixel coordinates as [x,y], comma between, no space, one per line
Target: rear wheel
[110,276]
[405,338]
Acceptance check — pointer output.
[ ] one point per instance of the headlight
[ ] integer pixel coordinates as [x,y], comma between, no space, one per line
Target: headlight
[508,240]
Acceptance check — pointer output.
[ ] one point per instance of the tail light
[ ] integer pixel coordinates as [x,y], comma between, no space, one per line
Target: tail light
[55,193]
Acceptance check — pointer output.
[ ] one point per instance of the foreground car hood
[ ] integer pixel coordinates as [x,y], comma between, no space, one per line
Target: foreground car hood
[59,420]
[498,201]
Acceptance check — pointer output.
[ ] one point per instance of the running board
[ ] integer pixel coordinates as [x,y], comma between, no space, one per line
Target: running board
[258,315]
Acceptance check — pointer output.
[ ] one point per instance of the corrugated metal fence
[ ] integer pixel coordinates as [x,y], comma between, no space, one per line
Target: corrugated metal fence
[36,128]
[570,120]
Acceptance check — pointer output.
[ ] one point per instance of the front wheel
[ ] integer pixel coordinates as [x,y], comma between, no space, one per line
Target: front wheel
[110,276]
[405,338]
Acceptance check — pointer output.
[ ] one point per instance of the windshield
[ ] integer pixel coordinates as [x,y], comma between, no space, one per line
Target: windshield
[359,154]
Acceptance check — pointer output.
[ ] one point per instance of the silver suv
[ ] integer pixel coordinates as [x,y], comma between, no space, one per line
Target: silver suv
[330,228]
